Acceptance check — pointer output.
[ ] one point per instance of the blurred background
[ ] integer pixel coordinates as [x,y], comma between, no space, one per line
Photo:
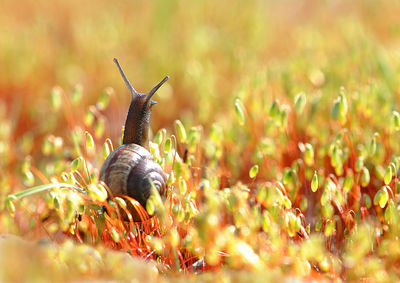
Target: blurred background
[208,48]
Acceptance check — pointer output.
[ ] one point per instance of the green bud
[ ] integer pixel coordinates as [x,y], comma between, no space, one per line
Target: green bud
[171,178]
[26,142]
[318,225]
[104,99]
[77,135]
[71,179]
[64,177]
[253,171]
[308,173]
[99,127]
[289,177]
[216,133]
[348,183]
[10,204]
[89,117]
[367,201]
[284,119]
[329,228]
[193,136]
[327,210]
[180,129]
[339,170]
[340,108]
[239,111]
[150,207]
[342,103]
[122,132]
[76,94]
[159,137]
[287,203]
[343,108]
[300,102]
[97,192]
[175,209]
[167,146]
[181,215]
[372,146]
[303,204]
[261,194]
[70,210]
[314,182]
[29,179]
[155,196]
[56,202]
[266,221]
[336,159]
[365,177]
[186,199]
[89,142]
[192,209]
[297,224]
[335,110]
[274,111]
[75,164]
[106,150]
[47,146]
[279,195]
[359,165]
[396,120]
[388,175]
[381,197]
[325,198]
[49,199]
[391,213]
[309,154]
[182,186]
[394,168]
[115,235]
[173,237]
[157,245]
[291,224]
[379,171]
[56,98]
[26,165]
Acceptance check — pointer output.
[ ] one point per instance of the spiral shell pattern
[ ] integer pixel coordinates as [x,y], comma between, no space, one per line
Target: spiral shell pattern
[127,171]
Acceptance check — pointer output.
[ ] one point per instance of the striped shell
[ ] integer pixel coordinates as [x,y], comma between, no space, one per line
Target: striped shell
[127,171]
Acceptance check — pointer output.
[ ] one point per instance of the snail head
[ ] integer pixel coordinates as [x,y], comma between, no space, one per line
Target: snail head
[137,121]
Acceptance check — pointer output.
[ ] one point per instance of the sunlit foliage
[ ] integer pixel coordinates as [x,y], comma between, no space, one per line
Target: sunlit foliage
[279,133]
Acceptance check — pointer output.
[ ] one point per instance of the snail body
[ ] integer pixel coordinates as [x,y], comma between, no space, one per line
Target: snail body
[130,169]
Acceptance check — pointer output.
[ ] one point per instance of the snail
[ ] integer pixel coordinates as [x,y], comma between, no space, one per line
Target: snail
[130,169]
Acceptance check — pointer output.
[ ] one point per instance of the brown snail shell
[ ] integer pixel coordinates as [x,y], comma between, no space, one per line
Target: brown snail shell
[128,171]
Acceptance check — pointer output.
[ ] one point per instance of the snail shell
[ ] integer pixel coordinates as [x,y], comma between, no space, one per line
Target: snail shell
[128,171]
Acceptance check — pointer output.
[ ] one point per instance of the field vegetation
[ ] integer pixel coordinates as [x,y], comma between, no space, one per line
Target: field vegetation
[278,130]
